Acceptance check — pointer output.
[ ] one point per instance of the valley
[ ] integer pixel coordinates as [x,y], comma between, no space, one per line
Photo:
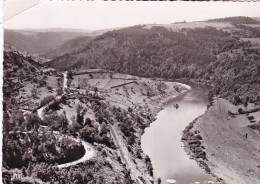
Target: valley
[77,108]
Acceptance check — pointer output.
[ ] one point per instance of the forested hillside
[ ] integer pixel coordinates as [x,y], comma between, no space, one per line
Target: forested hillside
[205,54]
[68,46]
[35,146]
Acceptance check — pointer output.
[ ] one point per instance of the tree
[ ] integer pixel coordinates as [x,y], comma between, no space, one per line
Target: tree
[59,91]
[46,100]
[70,75]
[80,113]
[33,122]
[130,110]
[6,122]
[80,118]
[24,171]
[44,138]
[34,92]
[147,159]
[64,121]
[96,90]
[237,100]
[88,122]
[29,169]
[55,105]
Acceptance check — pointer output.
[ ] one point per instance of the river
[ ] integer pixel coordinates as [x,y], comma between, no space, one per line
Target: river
[162,140]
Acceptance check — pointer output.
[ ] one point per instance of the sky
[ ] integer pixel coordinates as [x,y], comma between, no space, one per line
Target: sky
[95,15]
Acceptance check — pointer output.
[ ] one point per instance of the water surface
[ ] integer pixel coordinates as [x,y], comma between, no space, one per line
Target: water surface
[162,140]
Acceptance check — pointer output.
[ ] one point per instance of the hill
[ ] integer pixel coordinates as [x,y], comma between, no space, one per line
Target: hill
[203,54]
[36,41]
[110,110]
[49,117]
[68,46]
[236,20]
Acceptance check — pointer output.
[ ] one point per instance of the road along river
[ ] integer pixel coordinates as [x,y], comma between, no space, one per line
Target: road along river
[162,140]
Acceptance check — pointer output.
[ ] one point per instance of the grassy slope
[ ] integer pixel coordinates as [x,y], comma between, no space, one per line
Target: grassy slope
[229,154]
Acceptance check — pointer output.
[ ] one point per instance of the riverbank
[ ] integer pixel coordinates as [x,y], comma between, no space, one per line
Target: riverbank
[152,106]
[156,104]
[224,144]
[162,140]
[140,101]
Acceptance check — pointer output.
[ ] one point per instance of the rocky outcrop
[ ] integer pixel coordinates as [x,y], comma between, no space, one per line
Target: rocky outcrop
[194,146]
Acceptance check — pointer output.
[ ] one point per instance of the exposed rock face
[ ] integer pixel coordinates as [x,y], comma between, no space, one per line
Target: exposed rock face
[193,142]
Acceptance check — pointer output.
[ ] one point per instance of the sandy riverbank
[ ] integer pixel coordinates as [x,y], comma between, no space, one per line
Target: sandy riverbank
[217,141]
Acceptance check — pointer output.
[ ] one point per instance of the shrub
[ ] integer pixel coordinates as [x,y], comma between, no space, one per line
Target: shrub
[46,100]
[59,91]
[240,111]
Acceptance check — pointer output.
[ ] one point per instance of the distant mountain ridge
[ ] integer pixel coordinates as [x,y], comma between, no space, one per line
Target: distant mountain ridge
[47,43]
[237,20]
[51,43]
[35,42]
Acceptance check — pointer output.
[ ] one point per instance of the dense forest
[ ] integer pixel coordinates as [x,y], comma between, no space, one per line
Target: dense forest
[207,54]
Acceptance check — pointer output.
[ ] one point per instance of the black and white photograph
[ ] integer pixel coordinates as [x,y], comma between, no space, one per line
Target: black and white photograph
[130,92]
